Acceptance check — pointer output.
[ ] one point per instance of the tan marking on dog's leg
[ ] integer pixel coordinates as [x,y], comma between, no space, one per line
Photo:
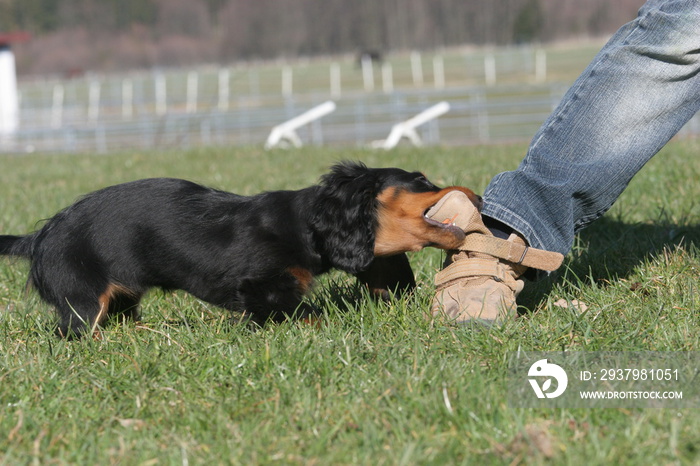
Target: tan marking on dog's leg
[313,321]
[113,289]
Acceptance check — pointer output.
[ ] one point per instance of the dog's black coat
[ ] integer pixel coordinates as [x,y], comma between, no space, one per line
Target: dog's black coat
[256,254]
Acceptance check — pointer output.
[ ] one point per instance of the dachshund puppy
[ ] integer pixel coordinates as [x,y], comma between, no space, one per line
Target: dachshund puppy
[255,254]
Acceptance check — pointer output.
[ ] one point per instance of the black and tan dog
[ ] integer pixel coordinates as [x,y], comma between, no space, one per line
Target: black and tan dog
[256,254]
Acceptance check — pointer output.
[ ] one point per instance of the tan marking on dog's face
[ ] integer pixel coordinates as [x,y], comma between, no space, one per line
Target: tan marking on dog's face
[303,276]
[402,226]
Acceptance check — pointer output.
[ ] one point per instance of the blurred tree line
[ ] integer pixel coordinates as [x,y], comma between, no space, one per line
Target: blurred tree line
[109,34]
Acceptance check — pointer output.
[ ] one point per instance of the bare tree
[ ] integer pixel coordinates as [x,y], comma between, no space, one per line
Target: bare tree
[125,33]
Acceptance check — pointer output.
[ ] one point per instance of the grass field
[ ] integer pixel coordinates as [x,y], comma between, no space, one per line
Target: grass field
[376,383]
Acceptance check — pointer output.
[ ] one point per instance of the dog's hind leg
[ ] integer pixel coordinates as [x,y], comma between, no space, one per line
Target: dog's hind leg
[83,310]
[122,303]
[79,314]
[279,298]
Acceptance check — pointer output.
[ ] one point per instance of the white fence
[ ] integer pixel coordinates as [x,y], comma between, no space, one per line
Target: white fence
[492,98]
[476,115]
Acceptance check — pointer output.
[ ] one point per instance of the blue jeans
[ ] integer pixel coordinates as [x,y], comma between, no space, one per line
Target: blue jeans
[636,94]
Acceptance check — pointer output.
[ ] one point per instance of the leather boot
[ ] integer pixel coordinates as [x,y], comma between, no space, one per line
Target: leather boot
[481,280]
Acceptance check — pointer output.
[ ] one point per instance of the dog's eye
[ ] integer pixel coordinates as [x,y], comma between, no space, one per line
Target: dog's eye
[424,180]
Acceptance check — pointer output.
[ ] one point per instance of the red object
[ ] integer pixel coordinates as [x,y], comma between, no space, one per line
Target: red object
[6,38]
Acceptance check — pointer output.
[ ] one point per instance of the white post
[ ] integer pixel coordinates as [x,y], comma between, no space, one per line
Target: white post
[57,106]
[192,85]
[335,80]
[9,100]
[439,72]
[224,80]
[367,73]
[387,78]
[417,69]
[540,66]
[490,70]
[407,129]
[127,98]
[287,130]
[94,100]
[287,81]
[161,90]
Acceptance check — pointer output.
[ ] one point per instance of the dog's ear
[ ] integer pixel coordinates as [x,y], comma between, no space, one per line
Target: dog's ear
[345,215]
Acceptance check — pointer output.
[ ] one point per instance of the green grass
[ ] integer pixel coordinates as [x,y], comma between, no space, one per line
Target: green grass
[376,383]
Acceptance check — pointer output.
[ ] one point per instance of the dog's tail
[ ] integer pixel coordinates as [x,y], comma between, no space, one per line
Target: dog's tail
[20,246]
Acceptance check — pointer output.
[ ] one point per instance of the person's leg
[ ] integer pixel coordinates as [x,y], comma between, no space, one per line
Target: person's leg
[636,94]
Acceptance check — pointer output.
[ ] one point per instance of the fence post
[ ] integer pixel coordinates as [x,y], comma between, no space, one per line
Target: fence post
[287,81]
[416,69]
[192,87]
[439,72]
[127,98]
[490,69]
[94,101]
[540,66]
[57,107]
[161,94]
[367,73]
[335,80]
[224,80]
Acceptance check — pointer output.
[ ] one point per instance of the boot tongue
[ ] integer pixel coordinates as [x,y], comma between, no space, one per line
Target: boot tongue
[456,208]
